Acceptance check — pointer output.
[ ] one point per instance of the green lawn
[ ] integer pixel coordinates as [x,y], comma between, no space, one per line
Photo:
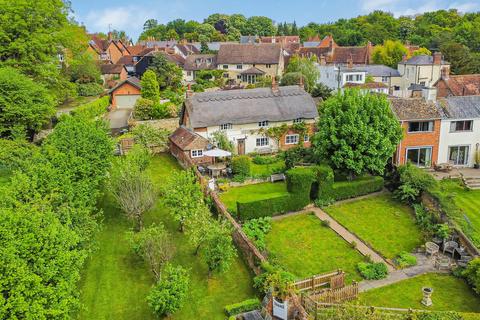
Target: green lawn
[115,282]
[449,293]
[468,201]
[381,221]
[304,247]
[252,192]
[265,170]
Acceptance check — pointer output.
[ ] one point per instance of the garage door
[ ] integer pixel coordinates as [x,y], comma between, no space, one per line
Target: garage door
[126,101]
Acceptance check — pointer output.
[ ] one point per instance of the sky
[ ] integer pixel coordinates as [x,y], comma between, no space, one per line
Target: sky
[128,15]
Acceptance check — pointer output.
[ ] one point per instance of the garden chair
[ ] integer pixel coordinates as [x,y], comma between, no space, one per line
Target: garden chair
[464,260]
[443,263]
[431,248]
[450,247]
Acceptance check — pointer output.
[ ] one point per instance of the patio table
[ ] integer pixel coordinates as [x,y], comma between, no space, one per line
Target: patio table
[216,168]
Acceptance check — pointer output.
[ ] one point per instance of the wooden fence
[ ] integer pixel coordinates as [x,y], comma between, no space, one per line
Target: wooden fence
[334,280]
[346,293]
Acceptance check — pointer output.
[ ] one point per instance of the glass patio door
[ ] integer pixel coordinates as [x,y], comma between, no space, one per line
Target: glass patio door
[421,157]
[458,155]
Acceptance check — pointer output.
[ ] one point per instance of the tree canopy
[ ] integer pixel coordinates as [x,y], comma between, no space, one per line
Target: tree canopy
[358,132]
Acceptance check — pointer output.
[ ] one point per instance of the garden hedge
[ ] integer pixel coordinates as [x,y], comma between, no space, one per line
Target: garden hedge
[241,165]
[351,189]
[241,307]
[93,109]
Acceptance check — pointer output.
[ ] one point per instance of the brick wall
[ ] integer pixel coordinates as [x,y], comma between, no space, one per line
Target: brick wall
[419,139]
[310,130]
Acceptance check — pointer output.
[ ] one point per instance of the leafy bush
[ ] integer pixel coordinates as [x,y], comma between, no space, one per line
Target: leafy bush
[442,231]
[472,274]
[168,295]
[148,136]
[89,89]
[425,220]
[413,181]
[143,109]
[256,229]
[361,186]
[297,155]
[274,278]
[405,259]
[241,307]
[164,110]
[264,159]
[93,109]
[372,271]
[241,166]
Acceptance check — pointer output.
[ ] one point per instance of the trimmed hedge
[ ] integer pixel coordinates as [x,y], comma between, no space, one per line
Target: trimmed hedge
[93,109]
[299,182]
[241,166]
[241,307]
[351,189]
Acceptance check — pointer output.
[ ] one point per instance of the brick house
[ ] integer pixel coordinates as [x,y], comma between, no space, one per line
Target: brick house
[457,85]
[188,146]
[126,93]
[107,50]
[421,122]
[245,115]
[112,74]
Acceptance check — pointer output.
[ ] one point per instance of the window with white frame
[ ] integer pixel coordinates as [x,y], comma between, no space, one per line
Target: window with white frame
[262,142]
[268,66]
[458,155]
[384,79]
[225,66]
[263,124]
[196,153]
[298,120]
[306,138]
[464,125]
[420,156]
[291,139]
[354,77]
[226,126]
[239,66]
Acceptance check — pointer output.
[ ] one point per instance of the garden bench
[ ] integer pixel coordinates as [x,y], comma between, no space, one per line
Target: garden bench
[277,177]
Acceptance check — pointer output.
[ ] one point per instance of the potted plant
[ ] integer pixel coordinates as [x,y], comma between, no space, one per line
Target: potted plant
[476,165]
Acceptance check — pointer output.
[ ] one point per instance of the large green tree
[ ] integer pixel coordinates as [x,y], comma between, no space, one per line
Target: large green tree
[390,53]
[25,106]
[306,67]
[150,87]
[169,75]
[358,132]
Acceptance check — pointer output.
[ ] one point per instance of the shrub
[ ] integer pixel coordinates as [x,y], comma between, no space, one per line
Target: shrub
[425,220]
[89,89]
[241,166]
[361,186]
[168,295]
[256,229]
[442,231]
[93,109]
[372,271]
[164,110]
[274,279]
[267,207]
[264,159]
[148,136]
[472,274]
[325,182]
[296,155]
[405,259]
[241,307]
[143,109]
[326,223]
[413,181]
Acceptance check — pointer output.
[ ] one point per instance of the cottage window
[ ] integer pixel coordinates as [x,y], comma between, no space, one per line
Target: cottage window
[268,66]
[421,157]
[354,77]
[239,76]
[189,73]
[225,66]
[196,153]
[298,120]
[306,138]
[239,66]
[396,88]
[262,142]
[384,79]
[291,139]
[226,126]
[225,75]
[458,126]
[263,124]
[420,126]
[458,155]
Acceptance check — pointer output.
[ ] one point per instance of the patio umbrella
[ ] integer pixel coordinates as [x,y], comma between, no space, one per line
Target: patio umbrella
[217,153]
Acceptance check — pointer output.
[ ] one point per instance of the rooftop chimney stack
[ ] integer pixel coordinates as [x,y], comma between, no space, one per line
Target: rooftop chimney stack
[189,91]
[437,58]
[445,73]
[274,85]
[301,83]
[350,63]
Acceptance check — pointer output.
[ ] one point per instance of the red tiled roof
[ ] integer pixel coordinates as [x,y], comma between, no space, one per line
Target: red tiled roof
[111,68]
[325,43]
[463,85]
[136,49]
[183,137]
[337,54]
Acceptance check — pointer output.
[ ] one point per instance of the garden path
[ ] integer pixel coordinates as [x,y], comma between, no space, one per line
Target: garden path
[350,237]
[424,265]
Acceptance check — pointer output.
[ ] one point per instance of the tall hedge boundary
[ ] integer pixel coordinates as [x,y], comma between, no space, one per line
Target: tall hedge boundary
[93,109]
[299,185]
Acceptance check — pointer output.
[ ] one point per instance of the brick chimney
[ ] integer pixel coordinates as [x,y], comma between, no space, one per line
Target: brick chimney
[437,58]
[189,91]
[350,63]
[323,60]
[301,83]
[274,85]
[445,72]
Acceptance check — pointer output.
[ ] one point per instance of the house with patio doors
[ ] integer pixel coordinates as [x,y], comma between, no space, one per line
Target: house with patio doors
[460,130]
[421,122]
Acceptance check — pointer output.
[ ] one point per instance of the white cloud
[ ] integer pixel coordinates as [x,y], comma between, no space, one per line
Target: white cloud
[120,18]
[406,8]
[370,5]
[465,7]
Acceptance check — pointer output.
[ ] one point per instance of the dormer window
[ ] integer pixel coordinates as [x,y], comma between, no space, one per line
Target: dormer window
[263,124]
[298,120]
[226,126]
